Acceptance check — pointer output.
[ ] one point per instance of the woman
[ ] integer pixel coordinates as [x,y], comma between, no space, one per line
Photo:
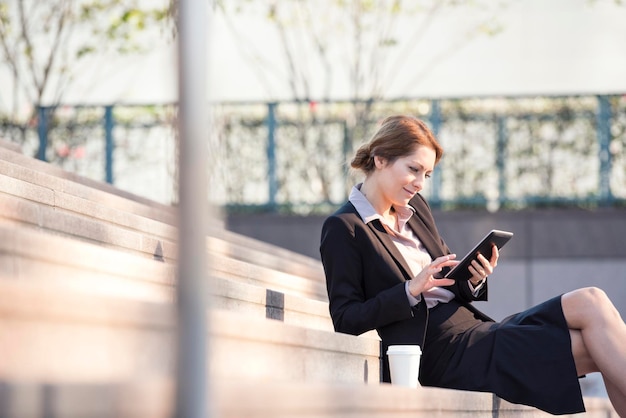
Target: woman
[382,255]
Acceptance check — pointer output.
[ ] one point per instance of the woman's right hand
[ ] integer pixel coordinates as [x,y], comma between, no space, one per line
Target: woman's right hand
[426,280]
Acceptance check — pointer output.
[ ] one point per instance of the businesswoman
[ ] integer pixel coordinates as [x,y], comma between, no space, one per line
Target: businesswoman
[382,255]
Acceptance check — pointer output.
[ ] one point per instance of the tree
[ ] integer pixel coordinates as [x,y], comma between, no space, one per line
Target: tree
[356,47]
[45,43]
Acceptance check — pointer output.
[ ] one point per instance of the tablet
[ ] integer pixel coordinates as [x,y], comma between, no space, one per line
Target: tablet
[497,237]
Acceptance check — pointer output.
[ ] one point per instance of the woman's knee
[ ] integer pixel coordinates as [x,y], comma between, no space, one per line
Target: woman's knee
[588,297]
[584,306]
[587,304]
[592,295]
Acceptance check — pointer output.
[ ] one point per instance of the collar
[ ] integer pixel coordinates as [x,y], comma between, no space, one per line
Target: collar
[368,213]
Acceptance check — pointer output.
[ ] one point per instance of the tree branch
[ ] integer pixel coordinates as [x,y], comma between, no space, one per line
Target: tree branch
[11,57]
[64,12]
[30,52]
[287,52]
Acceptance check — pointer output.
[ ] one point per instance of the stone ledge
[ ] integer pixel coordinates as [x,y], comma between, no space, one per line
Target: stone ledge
[27,252]
[381,400]
[49,334]
[239,247]
[97,222]
[37,257]
[260,301]
[30,169]
[251,273]
[85,228]
[231,398]
[39,181]
[11,146]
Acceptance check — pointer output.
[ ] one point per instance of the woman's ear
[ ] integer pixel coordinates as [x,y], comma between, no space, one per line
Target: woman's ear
[379,162]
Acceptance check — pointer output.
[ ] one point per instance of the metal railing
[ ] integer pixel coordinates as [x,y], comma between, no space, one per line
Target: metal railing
[292,156]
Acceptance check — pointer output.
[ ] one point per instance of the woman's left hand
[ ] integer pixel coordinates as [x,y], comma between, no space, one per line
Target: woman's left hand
[482,267]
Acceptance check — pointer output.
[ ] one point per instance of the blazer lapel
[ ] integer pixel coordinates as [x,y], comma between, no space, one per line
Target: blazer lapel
[379,230]
[427,239]
[423,225]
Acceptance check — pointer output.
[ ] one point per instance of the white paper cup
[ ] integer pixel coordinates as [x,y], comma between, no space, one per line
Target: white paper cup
[404,364]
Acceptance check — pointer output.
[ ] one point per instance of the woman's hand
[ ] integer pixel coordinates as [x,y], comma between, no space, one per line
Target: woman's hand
[482,268]
[426,280]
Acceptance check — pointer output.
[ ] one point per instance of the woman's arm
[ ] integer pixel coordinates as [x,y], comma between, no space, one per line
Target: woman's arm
[354,308]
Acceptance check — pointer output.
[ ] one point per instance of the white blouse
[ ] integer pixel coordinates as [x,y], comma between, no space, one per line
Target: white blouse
[407,243]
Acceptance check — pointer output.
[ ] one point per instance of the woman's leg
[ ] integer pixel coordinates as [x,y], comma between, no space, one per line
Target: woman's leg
[598,340]
[585,365]
[617,398]
[582,358]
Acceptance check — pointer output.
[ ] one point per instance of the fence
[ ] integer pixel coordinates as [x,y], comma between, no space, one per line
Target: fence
[288,156]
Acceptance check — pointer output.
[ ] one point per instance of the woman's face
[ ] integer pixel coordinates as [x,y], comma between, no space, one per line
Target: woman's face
[401,180]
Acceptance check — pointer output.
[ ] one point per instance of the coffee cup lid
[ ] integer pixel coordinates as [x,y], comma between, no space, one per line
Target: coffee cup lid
[404,349]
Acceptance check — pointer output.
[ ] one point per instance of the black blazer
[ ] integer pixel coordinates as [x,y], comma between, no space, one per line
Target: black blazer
[365,275]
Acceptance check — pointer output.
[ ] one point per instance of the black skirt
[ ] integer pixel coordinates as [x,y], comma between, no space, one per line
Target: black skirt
[524,359]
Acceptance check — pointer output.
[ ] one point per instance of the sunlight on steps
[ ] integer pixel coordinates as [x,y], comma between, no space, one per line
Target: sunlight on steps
[87,279]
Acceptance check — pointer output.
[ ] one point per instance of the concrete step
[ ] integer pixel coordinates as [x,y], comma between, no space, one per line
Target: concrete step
[374,401]
[231,398]
[31,170]
[35,256]
[86,327]
[95,222]
[73,208]
[259,275]
[12,146]
[74,355]
[240,247]
[287,279]
[261,302]
[38,181]
[55,335]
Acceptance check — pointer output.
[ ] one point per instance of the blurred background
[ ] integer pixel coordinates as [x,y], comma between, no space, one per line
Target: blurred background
[527,97]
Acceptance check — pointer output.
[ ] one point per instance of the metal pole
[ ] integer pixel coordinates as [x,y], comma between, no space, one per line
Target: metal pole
[347,149]
[603,122]
[109,144]
[192,391]
[435,122]
[42,128]
[501,158]
[271,154]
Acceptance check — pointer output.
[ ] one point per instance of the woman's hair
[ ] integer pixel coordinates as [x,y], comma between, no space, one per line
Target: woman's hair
[397,137]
